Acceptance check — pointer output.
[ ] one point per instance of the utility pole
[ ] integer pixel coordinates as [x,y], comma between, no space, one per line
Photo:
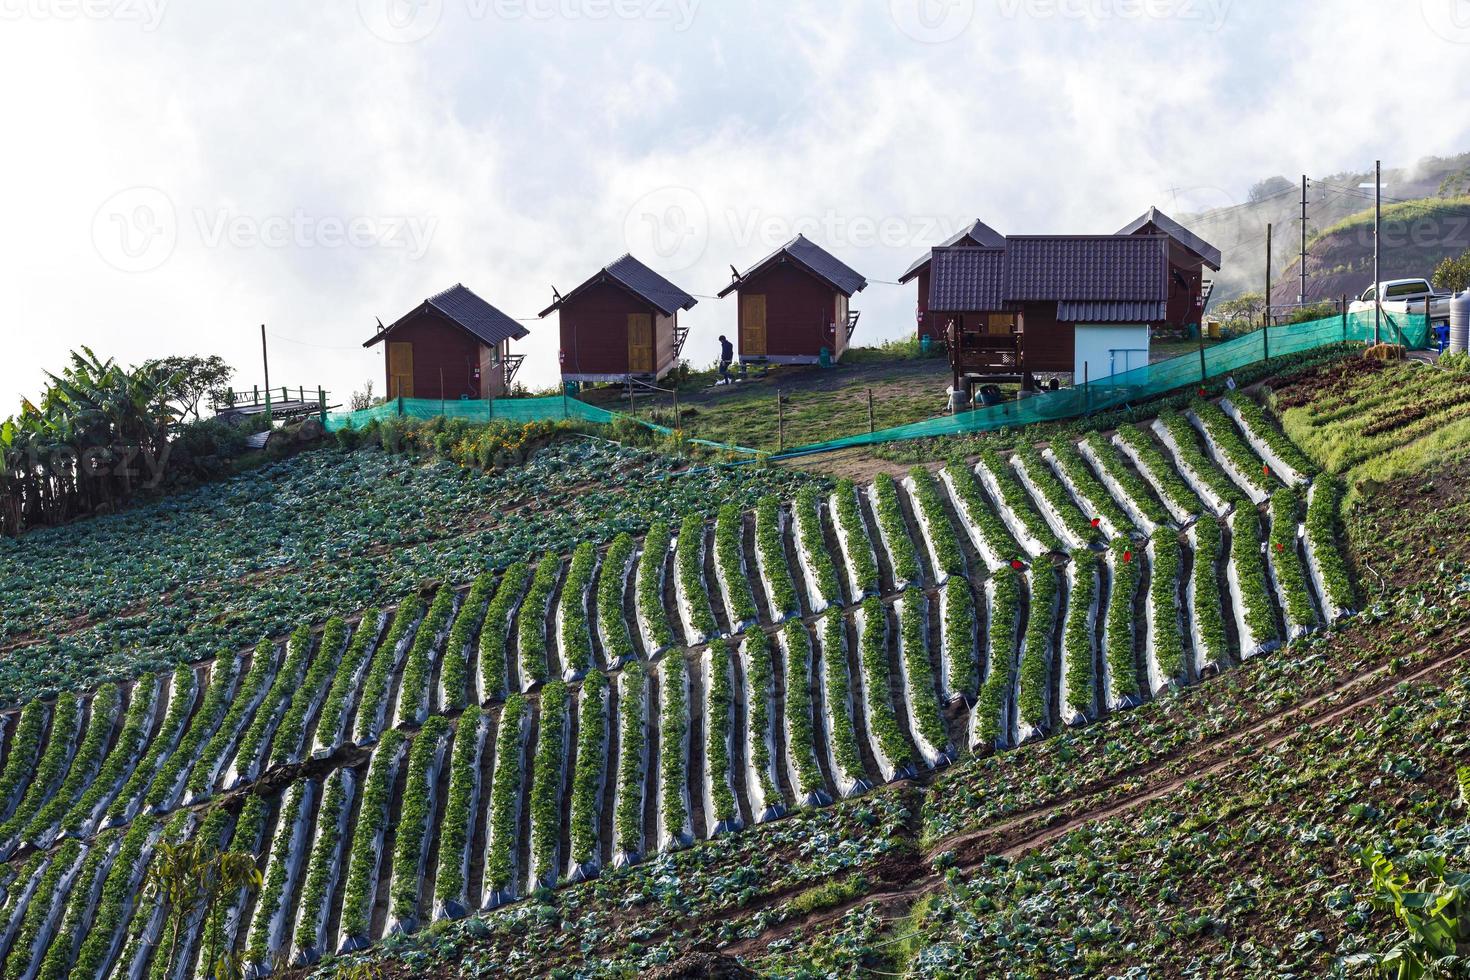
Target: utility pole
[1266,314]
[266,358]
[1377,237]
[1302,296]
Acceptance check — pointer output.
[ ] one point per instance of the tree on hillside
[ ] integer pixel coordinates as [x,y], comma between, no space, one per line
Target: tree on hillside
[1269,187]
[362,399]
[191,378]
[1243,309]
[1453,274]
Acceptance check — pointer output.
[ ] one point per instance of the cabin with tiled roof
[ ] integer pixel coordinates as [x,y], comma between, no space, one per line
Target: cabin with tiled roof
[794,304]
[452,346]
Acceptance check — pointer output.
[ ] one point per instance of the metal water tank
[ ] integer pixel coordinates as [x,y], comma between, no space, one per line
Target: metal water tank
[1460,322]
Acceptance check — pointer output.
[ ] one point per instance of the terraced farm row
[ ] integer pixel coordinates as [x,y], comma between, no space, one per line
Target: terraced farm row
[460,750]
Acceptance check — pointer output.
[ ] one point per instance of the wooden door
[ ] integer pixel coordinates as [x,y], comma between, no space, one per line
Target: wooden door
[640,343]
[753,326]
[400,370]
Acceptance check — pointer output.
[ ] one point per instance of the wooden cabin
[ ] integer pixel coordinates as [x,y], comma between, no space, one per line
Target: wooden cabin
[1189,256]
[794,304]
[620,324]
[978,234]
[452,346]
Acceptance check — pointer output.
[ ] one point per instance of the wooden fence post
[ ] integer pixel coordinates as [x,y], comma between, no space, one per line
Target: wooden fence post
[780,424]
[871,428]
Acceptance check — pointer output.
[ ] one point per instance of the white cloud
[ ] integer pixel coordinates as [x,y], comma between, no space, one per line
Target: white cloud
[517,145]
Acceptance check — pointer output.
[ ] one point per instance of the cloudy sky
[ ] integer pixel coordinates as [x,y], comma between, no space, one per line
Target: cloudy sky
[177,174]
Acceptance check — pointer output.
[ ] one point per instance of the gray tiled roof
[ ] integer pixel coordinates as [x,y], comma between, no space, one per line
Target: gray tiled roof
[639,280]
[1153,216]
[816,260]
[978,233]
[967,278]
[468,311]
[1111,311]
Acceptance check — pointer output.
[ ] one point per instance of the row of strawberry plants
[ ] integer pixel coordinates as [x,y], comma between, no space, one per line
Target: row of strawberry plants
[145,932]
[1285,566]
[1078,683]
[70,931]
[843,754]
[1125,484]
[770,557]
[451,880]
[1269,442]
[1164,640]
[1053,499]
[126,752]
[1145,454]
[1255,619]
[39,918]
[1237,459]
[20,762]
[988,725]
[531,626]
[66,725]
[730,570]
[548,775]
[256,741]
[673,737]
[574,635]
[1206,621]
[372,711]
[653,616]
[894,531]
[889,746]
[991,536]
[612,580]
[324,868]
[916,671]
[1090,492]
[273,913]
[824,585]
[505,801]
[336,715]
[1033,713]
[801,737]
[852,537]
[289,745]
[1014,504]
[1324,554]
[456,682]
[632,765]
[760,728]
[27,880]
[413,838]
[495,632]
[364,869]
[721,813]
[690,589]
[81,771]
[1120,667]
[418,670]
[222,929]
[176,767]
[589,777]
[116,901]
[934,525]
[184,930]
[1203,475]
[958,664]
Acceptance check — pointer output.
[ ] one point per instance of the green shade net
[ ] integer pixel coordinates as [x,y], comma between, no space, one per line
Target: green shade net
[554,408]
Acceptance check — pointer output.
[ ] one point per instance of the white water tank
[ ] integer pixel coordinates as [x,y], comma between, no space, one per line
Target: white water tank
[1460,322]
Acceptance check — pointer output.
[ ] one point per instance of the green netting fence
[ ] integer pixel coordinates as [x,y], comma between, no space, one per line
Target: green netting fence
[1412,331]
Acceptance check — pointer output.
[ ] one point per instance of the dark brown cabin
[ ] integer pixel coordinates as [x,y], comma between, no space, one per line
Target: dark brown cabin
[979,234]
[452,346]
[620,324]
[1189,256]
[794,304]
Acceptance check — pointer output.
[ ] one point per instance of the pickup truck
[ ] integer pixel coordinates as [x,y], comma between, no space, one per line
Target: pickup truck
[1406,296]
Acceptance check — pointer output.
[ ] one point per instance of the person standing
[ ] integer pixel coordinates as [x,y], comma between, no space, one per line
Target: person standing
[727,354]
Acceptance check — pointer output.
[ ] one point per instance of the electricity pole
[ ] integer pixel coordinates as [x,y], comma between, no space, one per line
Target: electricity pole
[1377,237]
[1302,296]
[1266,317]
[266,358]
